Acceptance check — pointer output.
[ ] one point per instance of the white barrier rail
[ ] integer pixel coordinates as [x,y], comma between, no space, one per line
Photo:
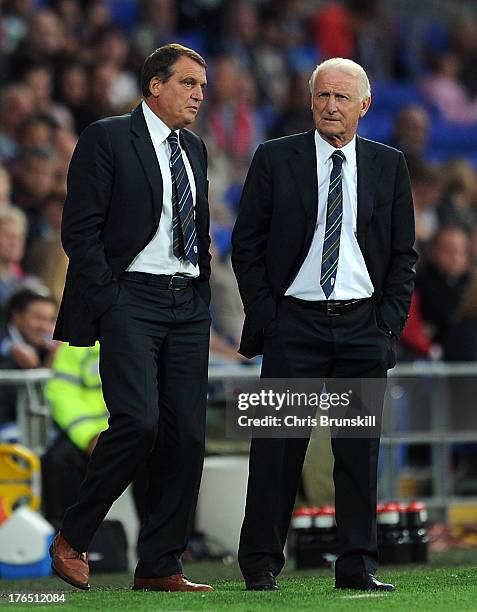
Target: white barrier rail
[33,415]
[34,420]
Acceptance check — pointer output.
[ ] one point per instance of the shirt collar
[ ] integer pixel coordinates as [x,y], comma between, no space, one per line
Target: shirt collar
[324,150]
[157,128]
[15,334]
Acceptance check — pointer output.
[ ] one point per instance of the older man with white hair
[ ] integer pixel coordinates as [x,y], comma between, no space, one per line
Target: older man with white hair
[329,305]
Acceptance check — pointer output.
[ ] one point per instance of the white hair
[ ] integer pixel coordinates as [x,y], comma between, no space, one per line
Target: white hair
[13,214]
[347,66]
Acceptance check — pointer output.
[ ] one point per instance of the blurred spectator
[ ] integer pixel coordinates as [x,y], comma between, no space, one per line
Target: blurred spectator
[73,91]
[241,32]
[415,341]
[111,44]
[157,26]
[71,15]
[231,123]
[44,42]
[464,45]
[16,104]
[5,188]
[37,131]
[462,343]
[13,229]
[294,16]
[333,31]
[373,37]
[296,115]
[412,131]
[15,21]
[65,143]
[26,341]
[225,305]
[364,31]
[426,185]
[46,258]
[226,311]
[111,48]
[269,63]
[222,352]
[34,181]
[203,15]
[97,16]
[473,247]
[99,103]
[223,194]
[444,91]
[458,205]
[442,281]
[39,77]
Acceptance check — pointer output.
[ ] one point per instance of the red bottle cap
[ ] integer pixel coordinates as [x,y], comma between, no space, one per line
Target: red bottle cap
[415,506]
[302,511]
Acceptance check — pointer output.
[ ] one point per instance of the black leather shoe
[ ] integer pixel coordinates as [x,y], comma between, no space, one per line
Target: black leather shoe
[368,583]
[261,582]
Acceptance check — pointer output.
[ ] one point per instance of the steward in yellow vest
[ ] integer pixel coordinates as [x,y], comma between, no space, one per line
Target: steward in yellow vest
[75,395]
[79,412]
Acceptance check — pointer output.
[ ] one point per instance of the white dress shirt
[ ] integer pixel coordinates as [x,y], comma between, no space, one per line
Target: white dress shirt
[352,278]
[157,257]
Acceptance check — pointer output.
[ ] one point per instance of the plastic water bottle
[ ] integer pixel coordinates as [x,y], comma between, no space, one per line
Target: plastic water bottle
[417,523]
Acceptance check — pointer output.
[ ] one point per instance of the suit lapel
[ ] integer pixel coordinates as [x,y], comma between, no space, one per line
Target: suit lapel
[369,169]
[303,167]
[142,142]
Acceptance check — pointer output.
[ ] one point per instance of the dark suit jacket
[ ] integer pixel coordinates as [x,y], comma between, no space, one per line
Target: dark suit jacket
[277,219]
[111,213]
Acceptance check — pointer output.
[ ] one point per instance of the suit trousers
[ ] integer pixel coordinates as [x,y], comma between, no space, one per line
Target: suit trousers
[304,342]
[63,468]
[153,365]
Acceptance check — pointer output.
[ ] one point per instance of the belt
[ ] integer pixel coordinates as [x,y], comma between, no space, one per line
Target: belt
[330,307]
[175,282]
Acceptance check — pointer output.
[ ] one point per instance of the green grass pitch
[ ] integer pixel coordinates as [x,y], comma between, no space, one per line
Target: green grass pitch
[448,582]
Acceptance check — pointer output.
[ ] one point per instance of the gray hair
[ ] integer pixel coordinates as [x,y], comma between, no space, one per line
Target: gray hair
[347,66]
[13,214]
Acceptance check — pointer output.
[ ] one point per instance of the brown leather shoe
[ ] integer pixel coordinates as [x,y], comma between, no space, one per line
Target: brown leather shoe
[177,582]
[68,564]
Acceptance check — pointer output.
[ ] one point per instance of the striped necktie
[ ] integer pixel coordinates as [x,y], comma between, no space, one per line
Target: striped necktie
[184,237]
[334,217]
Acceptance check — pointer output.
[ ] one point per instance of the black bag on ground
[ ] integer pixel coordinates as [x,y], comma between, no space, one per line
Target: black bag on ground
[108,551]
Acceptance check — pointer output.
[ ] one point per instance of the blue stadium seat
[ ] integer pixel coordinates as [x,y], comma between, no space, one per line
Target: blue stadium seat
[302,59]
[390,97]
[376,126]
[124,13]
[193,40]
[457,139]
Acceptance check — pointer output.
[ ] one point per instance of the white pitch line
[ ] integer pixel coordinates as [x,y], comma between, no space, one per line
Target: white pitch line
[363,595]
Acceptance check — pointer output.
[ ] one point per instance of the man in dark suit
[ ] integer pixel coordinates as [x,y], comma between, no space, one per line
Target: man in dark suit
[136,231]
[323,254]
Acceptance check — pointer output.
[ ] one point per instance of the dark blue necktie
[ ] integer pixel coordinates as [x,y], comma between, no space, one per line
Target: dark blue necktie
[334,217]
[184,237]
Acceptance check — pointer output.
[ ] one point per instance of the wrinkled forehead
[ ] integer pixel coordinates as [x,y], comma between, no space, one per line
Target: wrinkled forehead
[337,79]
[186,67]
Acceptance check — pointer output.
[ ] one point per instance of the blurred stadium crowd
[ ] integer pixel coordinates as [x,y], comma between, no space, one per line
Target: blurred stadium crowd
[66,63]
